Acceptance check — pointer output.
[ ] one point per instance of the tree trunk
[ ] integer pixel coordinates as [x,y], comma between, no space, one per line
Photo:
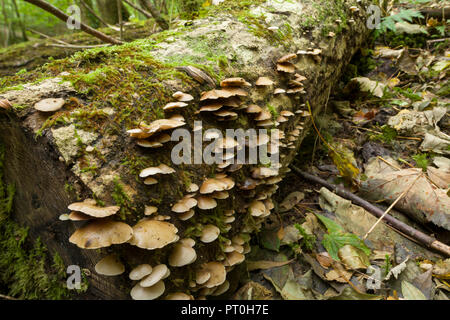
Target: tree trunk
[88,154]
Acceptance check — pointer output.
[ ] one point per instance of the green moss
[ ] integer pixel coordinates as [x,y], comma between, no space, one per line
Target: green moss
[122,199]
[28,272]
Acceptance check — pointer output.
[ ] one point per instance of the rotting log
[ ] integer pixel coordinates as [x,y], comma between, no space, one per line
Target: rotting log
[84,151]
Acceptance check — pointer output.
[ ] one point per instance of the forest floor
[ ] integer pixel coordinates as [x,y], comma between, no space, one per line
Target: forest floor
[385,136]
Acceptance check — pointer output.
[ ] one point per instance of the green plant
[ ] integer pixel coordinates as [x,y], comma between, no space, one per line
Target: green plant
[388,22]
[307,240]
[387,266]
[337,238]
[421,160]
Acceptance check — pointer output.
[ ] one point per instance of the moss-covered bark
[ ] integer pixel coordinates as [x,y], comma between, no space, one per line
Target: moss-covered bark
[83,150]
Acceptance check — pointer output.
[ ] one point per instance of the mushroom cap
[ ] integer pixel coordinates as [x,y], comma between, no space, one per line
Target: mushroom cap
[186,215]
[286,67]
[161,169]
[264,172]
[218,274]
[140,271]
[150,180]
[230,115]
[158,273]
[163,124]
[225,143]
[263,115]
[222,93]
[279,91]
[211,185]
[78,216]
[182,255]
[257,208]
[184,205]
[237,239]
[209,233]
[101,233]
[175,105]
[192,188]
[206,203]
[281,119]
[179,296]
[264,81]
[188,242]
[149,210]
[153,234]
[5,104]
[148,293]
[49,105]
[234,258]
[201,276]
[93,210]
[148,144]
[234,82]
[221,195]
[183,97]
[287,113]
[110,266]
[138,133]
[253,108]
[287,57]
[211,106]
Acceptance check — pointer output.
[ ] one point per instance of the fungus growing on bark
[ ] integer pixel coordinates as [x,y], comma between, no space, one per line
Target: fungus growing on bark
[149,210]
[186,215]
[5,104]
[140,272]
[150,180]
[49,105]
[264,82]
[110,266]
[101,233]
[161,169]
[233,258]
[183,97]
[279,91]
[182,254]
[209,233]
[234,82]
[93,210]
[179,296]
[148,293]
[184,205]
[217,272]
[158,273]
[174,105]
[206,203]
[192,188]
[153,234]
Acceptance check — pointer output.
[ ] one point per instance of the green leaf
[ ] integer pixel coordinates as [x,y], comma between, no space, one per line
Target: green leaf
[332,227]
[334,241]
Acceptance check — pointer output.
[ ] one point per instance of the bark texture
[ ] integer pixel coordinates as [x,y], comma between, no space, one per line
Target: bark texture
[111,90]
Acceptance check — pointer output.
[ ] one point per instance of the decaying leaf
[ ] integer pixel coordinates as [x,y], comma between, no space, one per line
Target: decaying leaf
[264,264]
[410,292]
[291,200]
[396,270]
[374,87]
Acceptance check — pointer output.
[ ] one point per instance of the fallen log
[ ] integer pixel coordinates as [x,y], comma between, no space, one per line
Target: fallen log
[96,142]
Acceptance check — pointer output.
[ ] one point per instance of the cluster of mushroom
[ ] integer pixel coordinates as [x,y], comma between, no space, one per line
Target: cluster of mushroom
[152,135]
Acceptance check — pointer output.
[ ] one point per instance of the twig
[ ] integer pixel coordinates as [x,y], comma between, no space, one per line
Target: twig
[119,12]
[391,206]
[94,13]
[2,296]
[64,17]
[145,13]
[402,227]
[64,44]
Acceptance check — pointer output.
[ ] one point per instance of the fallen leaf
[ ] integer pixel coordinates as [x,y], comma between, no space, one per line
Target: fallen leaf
[291,200]
[410,292]
[366,85]
[264,264]
[396,270]
[353,258]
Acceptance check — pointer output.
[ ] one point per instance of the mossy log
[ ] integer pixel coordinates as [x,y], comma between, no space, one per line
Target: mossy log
[84,151]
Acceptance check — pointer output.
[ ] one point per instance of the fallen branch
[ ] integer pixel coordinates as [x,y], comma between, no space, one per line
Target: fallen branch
[64,17]
[64,44]
[396,224]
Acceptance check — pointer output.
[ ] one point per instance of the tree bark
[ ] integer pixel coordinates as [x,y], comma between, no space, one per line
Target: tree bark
[47,168]
[150,7]
[109,9]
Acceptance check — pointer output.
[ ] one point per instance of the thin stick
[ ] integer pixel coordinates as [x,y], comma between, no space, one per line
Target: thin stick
[94,13]
[397,225]
[145,13]
[64,17]
[2,296]
[47,37]
[72,46]
[391,206]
